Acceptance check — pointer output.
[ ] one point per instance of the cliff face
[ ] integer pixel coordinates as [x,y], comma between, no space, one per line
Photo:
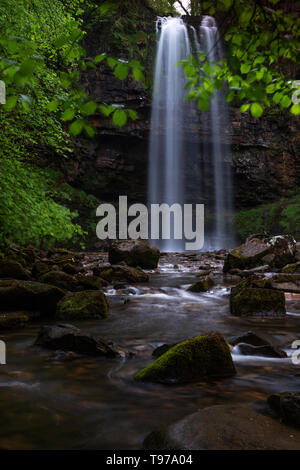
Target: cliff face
[265,155]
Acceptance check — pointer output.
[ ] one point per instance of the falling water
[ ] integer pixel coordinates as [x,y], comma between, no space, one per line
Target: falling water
[169,140]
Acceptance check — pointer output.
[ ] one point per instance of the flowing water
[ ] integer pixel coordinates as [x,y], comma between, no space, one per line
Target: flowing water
[170,135]
[52,401]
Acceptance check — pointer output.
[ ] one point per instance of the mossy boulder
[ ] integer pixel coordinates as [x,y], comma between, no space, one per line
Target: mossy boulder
[286,282]
[291,268]
[89,282]
[121,273]
[253,297]
[203,285]
[134,253]
[29,295]
[287,405]
[10,268]
[83,306]
[275,251]
[59,279]
[192,360]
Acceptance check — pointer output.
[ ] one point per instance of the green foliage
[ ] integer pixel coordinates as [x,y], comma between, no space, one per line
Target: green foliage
[27,213]
[262,45]
[280,217]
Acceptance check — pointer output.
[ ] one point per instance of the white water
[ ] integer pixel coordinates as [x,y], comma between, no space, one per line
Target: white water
[169,150]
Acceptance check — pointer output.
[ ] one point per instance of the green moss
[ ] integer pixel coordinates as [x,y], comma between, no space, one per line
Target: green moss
[256,301]
[192,360]
[280,217]
[291,268]
[83,305]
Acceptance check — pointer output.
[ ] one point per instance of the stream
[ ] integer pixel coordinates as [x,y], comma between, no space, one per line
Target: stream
[51,400]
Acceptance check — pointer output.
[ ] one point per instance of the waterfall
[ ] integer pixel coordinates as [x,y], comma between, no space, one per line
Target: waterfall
[170,148]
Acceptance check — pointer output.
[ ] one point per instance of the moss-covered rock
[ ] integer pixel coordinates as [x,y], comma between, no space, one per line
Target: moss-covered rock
[90,282]
[10,268]
[203,285]
[59,279]
[253,297]
[134,253]
[275,251]
[83,306]
[121,273]
[195,359]
[292,268]
[29,295]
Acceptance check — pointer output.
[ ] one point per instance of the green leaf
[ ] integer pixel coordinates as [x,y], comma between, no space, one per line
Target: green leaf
[295,109]
[244,108]
[76,127]
[111,62]
[68,114]
[203,104]
[132,114]
[286,102]
[257,110]
[99,58]
[121,71]
[245,68]
[138,75]
[90,130]
[119,117]
[11,102]
[89,108]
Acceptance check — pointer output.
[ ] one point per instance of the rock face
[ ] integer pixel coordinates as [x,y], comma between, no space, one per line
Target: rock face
[10,268]
[287,405]
[121,273]
[276,252]
[59,279]
[28,295]
[134,253]
[192,360]
[225,427]
[265,350]
[83,306]
[203,285]
[69,338]
[255,298]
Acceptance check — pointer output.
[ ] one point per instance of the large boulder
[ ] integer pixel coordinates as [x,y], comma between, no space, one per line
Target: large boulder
[287,406]
[29,295]
[9,268]
[121,273]
[59,279]
[83,306]
[225,427]
[134,253]
[192,360]
[255,298]
[203,285]
[286,282]
[69,338]
[275,251]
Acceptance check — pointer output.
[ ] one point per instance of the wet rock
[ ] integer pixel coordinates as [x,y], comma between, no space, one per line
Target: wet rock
[121,273]
[253,297]
[68,338]
[287,406]
[90,282]
[202,285]
[10,268]
[29,295]
[253,253]
[225,427]
[13,320]
[291,268]
[59,279]
[160,350]
[195,359]
[248,338]
[72,269]
[39,268]
[134,253]
[265,350]
[260,269]
[286,282]
[297,252]
[83,306]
